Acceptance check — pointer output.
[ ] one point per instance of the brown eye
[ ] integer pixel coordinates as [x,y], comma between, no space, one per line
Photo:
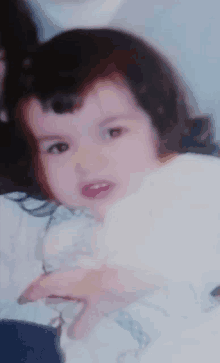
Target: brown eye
[58,148]
[115,132]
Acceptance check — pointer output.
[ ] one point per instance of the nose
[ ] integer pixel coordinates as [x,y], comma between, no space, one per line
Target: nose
[89,161]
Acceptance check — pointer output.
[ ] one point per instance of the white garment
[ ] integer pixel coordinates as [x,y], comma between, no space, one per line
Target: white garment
[20,262]
[169,227]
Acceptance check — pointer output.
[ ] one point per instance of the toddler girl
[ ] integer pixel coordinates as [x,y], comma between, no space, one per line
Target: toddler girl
[105,123]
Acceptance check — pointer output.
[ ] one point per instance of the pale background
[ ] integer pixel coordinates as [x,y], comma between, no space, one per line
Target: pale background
[187,31]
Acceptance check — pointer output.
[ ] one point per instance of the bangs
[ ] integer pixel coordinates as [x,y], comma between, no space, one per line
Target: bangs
[61,103]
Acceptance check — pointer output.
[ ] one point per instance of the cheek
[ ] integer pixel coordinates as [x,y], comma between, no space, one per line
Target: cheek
[57,179]
[136,153]
[41,175]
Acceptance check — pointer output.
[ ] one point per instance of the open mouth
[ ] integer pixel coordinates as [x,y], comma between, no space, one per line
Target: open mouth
[98,190]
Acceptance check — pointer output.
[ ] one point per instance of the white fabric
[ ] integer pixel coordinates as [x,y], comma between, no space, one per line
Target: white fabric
[20,263]
[171,226]
[67,238]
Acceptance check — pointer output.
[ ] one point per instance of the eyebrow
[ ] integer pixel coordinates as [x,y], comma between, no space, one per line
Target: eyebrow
[110,119]
[49,137]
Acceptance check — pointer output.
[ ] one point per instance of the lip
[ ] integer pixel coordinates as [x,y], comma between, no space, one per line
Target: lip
[99,193]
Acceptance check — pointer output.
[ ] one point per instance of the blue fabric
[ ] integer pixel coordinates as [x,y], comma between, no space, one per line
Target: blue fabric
[28,343]
[125,320]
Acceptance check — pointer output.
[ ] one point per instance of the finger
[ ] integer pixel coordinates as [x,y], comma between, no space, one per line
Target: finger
[86,320]
[27,294]
[74,283]
[59,283]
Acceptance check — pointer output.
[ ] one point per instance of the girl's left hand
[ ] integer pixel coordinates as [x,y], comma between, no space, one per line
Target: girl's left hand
[104,290]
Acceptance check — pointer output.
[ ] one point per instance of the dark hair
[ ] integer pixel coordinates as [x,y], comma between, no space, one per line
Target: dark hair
[68,62]
[60,69]
[18,37]
[17,29]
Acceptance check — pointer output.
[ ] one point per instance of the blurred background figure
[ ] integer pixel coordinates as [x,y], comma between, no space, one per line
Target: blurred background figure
[18,38]
[53,16]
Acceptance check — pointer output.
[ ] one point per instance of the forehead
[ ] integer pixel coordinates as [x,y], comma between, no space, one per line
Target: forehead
[104,98]
[109,95]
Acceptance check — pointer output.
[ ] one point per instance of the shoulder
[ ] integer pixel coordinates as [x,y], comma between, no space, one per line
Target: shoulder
[198,159]
[189,172]
[193,163]
[188,176]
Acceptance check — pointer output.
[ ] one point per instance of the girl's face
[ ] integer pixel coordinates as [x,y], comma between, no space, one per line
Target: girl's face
[97,154]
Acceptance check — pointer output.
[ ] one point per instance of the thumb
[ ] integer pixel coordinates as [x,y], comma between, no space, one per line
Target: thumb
[86,320]
[96,306]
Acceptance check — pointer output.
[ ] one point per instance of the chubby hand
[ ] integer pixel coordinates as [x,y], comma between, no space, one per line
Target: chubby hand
[103,289]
